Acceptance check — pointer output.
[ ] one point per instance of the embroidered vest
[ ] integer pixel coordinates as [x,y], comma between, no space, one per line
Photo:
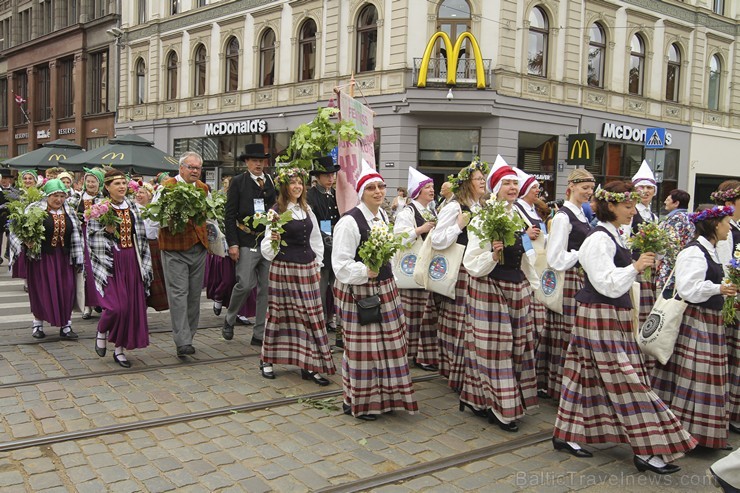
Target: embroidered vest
[192,235]
[57,233]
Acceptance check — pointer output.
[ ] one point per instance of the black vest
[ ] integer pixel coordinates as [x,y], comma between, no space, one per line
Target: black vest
[735,232]
[511,269]
[579,230]
[297,236]
[588,293]
[419,219]
[462,238]
[49,232]
[364,227]
[534,221]
[715,273]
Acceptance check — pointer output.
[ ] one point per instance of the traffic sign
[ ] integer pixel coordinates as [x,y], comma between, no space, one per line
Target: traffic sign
[655,138]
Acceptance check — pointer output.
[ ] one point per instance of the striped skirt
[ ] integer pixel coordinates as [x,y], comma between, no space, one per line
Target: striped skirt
[157,290]
[375,370]
[295,333]
[606,395]
[490,380]
[421,325]
[733,365]
[555,336]
[452,318]
[694,380]
[92,297]
[647,294]
[539,318]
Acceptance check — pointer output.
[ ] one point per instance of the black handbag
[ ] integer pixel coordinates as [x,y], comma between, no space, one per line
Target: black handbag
[368,309]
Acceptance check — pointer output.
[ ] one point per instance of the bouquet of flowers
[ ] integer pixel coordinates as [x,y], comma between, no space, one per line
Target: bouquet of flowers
[651,238]
[729,314]
[272,219]
[380,246]
[497,222]
[178,204]
[132,188]
[428,216]
[104,213]
[27,223]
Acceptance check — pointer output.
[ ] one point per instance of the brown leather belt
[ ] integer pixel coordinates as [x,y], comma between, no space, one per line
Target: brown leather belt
[245,229]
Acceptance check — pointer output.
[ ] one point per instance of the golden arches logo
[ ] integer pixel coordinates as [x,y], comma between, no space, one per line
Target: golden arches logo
[453,54]
[57,157]
[548,150]
[582,145]
[170,160]
[114,155]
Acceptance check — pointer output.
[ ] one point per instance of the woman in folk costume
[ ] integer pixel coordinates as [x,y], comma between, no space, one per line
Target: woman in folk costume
[606,395]
[418,304]
[375,370]
[644,183]
[122,266]
[295,332]
[51,276]
[728,194]
[693,382]
[500,378]
[567,231]
[157,298]
[469,187]
[18,270]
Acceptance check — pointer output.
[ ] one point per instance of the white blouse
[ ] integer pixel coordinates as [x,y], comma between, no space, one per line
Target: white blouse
[691,270]
[724,247]
[346,240]
[406,221]
[317,244]
[558,257]
[597,259]
[446,231]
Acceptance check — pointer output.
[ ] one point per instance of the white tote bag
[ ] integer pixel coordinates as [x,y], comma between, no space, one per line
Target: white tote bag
[657,336]
[421,275]
[550,293]
[443,269]
[404,264]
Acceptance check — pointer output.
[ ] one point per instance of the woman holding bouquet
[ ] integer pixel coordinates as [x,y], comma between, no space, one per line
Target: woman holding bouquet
[499,337]
[568,230]
[18,270]
[375,370]
[693,382]
[295,332]
[122,266]
[606,395]
[416,221]
[469,186]
[51,273]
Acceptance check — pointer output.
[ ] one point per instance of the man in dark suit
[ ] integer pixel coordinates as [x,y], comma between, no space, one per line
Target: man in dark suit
[7,194]
[323,202]
[250,192]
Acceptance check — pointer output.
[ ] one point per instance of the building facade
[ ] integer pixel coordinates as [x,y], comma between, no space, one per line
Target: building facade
[212,76]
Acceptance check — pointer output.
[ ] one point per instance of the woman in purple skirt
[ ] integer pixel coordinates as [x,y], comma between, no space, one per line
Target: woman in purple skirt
[122,266]
[51,275]
[18,270]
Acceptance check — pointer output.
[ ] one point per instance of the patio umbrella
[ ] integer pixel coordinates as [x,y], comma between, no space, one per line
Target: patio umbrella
[128,153]
[48,155]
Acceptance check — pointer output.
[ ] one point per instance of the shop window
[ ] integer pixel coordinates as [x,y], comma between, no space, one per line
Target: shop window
[715,76]
[267,59]
[43,93]
[307,51]
[596,56]
[140,86]
[539,29]
[673,73]
[537,155]
[367,39]
[171,76]
[97,84]
[704,185]
[199,74]
[637,65]
[231,77]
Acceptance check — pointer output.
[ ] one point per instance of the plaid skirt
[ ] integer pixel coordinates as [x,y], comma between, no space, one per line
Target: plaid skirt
[452,318]
[92,297]
[491,348]
[555,336]
[606,395]
[375,370]
[647,295]
[539,318]
[733,364]
[693,382]
[421,325]
[157,298]
[295,332]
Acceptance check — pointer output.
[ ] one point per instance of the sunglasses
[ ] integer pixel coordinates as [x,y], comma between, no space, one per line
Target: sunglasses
[373,187]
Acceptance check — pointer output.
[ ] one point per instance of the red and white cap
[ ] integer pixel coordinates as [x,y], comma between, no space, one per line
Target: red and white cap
[526,181]
[367,175]
[644,176]
[499,170]
[417,181]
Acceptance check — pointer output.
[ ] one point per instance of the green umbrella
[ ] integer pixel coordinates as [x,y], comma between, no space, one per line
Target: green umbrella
[48,155]
[128,153]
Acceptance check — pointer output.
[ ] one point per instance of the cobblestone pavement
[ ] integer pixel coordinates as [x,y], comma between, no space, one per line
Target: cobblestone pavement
[286,448]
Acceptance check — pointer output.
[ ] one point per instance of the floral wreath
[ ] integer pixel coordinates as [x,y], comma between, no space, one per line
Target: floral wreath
[285,174]
[616,197]
[713,213]
[464,175]
[722,196]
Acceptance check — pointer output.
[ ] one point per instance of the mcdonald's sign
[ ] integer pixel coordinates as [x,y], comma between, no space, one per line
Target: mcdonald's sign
[56,157]
[114,155]
[581,148]
[548,150]
[453,55]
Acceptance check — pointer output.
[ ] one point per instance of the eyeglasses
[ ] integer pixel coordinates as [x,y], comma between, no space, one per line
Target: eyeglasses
[480,178]
[373,187]
[194,168]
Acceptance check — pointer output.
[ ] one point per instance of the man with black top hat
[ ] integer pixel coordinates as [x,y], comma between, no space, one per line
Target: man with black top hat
[7,194]
[323,202]
[250,192]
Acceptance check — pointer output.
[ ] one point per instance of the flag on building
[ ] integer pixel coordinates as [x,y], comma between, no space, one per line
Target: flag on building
[19,99]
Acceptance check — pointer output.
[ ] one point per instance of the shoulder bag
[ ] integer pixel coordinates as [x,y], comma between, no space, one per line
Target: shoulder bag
[657,336]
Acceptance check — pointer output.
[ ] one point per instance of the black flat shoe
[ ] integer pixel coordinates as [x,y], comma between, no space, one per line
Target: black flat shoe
[363,417]
[542,394]
[427,367]
[643,465]
[266,371]
[100,351]
[734,429]
[565,446]
[86,316]
[318,379]
[98,309]
[510,427]
[227,331]
[185,350]
[38,333]
[217,309]
[70,335]
[121,362]
[481,413]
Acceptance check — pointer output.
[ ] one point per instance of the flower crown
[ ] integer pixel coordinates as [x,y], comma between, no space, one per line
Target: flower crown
[286,173]
[464,175]
[722,196]
[616,197]
[714,212]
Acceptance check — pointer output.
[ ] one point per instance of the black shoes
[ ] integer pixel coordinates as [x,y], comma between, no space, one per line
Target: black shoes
[565,446]
[542,394]
[70,335]
[217,308]
[38,332]
[481,413]
[427,367]
[363,417]
[643,465]
[266,370]
[121,360]
[312,375]
[100,351]
[510,427]
[185,350]
[255,341]
[227,332]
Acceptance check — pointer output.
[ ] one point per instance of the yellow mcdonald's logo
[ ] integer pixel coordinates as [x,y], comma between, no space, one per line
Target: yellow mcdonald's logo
[582,145]
[114,155]
[453,54]
[548,150]
[57,157]
[171,160]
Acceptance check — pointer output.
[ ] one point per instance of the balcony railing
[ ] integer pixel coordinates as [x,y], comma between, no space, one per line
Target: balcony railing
[465,74]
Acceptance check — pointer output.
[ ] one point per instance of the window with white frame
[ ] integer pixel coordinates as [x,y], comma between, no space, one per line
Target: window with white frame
[637,65]
[715,79]
[539,30]
[673,73]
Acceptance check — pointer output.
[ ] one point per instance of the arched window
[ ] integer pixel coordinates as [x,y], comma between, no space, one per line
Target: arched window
[637,65]
[453,18]
[307,51]
[140,86]
[673,73]
[267,59]
[538,33]
[231,76]
[715,76]
[171,89]
[199,79]
[596,56]
[367,39]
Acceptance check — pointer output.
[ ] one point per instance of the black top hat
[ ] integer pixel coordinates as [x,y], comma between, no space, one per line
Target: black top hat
[323,164]
[254,151]
[5,172]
